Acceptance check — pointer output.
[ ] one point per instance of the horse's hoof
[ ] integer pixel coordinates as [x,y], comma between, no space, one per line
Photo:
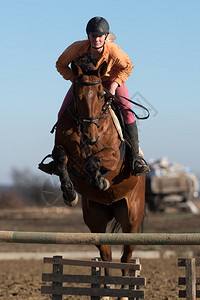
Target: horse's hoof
[103,185]
[70,202]
[106,185]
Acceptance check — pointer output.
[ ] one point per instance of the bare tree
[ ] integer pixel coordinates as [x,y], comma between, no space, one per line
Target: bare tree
[27,186]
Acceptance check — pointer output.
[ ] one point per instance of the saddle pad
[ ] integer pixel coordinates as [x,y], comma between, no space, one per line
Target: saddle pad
[116,123]
[119,129]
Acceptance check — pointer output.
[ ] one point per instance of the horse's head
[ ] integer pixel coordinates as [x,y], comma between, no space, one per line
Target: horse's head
[89,99]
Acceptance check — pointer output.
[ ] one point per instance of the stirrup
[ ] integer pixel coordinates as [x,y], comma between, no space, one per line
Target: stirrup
[49,168]
[142,167]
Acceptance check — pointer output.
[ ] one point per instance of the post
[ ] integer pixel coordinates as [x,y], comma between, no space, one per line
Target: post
[135,273]
[190,268]
[96,271]
[57,270]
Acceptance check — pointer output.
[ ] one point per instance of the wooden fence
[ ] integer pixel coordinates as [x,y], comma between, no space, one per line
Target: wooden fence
[95,281]
[190,281]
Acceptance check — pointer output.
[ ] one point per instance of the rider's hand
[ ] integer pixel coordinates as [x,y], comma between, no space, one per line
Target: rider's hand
[113,87]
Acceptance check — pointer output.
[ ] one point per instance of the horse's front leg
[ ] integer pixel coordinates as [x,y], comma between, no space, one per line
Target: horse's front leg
[93,168]
[69,194]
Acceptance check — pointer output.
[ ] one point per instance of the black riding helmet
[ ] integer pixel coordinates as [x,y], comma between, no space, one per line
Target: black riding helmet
[97,26]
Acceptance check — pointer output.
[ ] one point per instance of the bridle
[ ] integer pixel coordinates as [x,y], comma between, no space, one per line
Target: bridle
[80,119]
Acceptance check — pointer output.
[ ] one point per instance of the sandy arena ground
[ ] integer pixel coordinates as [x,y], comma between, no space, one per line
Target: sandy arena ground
[21,279]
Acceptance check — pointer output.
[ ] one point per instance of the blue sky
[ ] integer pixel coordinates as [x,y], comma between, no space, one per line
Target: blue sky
[161,38]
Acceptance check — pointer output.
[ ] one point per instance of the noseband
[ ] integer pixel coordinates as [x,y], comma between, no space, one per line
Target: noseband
[80,118]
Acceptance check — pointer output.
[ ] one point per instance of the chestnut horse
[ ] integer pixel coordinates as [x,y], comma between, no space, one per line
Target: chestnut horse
[87,149]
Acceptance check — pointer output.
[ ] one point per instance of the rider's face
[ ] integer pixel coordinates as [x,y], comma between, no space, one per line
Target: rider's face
[97,41]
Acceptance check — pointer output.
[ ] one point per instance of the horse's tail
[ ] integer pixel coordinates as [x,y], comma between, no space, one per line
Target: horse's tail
[115,226]
[142,225]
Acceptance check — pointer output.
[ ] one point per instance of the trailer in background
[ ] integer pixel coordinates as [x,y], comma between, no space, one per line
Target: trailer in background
[170,184]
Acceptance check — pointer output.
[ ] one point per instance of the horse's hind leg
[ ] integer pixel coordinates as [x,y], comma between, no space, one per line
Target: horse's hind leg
[96,216]
[69,194]
[130,219]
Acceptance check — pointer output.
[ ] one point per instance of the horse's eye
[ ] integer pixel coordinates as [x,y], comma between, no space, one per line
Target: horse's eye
[101,96]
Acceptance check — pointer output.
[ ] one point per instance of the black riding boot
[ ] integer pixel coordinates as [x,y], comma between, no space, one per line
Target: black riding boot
[131,135]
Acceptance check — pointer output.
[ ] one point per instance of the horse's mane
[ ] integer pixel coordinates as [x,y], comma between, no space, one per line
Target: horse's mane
[87,63]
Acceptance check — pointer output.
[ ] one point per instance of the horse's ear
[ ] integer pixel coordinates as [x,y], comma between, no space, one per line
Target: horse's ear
[102,69]
[76,70]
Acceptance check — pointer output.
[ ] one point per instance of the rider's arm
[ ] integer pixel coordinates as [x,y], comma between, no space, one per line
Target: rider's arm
[119,64]
[72,52]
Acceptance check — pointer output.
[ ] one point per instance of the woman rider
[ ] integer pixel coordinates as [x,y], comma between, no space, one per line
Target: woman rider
[118,70]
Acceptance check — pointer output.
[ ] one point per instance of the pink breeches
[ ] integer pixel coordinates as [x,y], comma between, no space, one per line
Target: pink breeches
[120,91]
[67,100]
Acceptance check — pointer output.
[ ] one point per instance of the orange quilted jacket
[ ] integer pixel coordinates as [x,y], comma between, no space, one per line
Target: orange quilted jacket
[119,64]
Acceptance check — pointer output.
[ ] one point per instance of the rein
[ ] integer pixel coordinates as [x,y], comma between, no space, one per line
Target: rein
[133,102]
[104,109]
